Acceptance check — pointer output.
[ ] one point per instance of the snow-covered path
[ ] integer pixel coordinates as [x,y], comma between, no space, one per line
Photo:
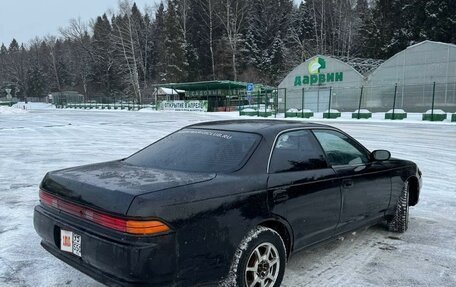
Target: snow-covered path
[38,141]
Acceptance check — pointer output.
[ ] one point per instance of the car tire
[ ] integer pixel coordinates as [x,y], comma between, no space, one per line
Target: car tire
[399,223]
[259,260]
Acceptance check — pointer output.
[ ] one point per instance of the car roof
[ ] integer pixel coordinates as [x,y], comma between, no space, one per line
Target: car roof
[264,127]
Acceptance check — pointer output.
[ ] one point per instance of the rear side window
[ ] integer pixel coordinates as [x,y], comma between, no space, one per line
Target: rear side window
[198,150]
[340,149]
[296,151]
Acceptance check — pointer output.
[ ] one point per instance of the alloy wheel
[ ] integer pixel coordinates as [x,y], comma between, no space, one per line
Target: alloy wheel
[263,266]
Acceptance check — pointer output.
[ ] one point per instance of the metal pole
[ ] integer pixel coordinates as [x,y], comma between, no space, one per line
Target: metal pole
[227,103]
[207,98]
[265,97]
[329,105]
[360,100]
[239,100]
[433,100]
[285,102]
[258,104]
[276,102]
[302,104]
[394,101]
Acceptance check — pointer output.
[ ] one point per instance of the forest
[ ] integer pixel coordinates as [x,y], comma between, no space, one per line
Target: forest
[123,53]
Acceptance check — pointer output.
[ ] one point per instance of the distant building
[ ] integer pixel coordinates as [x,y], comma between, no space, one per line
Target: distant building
[415,70]
[167,94]
[66,97]
[407,78]
[219,95]
[313,81]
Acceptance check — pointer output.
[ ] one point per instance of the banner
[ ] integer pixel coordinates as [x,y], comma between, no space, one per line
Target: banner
[183,106]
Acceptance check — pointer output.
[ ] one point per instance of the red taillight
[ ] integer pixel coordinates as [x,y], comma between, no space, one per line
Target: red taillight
[140,227]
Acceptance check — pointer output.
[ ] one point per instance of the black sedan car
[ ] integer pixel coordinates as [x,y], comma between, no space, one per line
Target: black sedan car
[220,203]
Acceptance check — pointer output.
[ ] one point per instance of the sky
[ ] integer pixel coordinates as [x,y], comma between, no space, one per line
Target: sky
[27,19]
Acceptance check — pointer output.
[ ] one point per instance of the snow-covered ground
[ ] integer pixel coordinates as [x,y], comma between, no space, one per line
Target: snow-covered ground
[41,140]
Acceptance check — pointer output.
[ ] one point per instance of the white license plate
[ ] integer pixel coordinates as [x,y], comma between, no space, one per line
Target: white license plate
[70,242]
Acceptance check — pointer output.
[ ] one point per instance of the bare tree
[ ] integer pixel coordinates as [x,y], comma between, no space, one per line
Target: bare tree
[208,18]
[123,39]
[77,32]
[232,17]
[182,12]
[50,43]
[14,61]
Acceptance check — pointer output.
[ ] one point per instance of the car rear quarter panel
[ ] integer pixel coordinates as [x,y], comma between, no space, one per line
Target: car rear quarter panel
[210,220]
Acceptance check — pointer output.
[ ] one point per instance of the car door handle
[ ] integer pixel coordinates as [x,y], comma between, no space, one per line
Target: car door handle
[347,183]
[280,195]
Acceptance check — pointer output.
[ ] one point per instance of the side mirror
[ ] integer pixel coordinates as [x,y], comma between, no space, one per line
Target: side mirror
[380,155]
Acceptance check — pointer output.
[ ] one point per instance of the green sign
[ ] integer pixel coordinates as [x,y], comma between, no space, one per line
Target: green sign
[212,93]
[204,93]
[315,67]
[183,106]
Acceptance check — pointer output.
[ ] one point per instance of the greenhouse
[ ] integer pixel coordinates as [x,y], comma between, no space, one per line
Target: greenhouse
[419,78]
[312,83]
[421,72]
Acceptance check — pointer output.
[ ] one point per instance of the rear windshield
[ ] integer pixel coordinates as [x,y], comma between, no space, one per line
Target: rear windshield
[198,150]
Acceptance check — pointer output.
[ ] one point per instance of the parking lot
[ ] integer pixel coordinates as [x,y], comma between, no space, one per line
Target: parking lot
[35,142]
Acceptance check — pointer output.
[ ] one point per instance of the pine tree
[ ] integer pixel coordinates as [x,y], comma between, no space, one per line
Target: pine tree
[13,47]
[184,16]
[16,69]
[159,52]
[363,18]
[391,27]
[35,82]
[140,24]
[3,60]
[204,33]
[302,33]
[268,26]
[439,21]
[176,63]
[103,50]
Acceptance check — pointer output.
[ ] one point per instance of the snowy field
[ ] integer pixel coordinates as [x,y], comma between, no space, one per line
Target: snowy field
[34,142]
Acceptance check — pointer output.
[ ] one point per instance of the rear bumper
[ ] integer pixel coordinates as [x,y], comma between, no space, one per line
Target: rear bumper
[113,259]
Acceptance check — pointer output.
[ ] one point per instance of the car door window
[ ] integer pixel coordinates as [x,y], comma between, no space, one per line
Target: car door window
[340,149]
[295,151]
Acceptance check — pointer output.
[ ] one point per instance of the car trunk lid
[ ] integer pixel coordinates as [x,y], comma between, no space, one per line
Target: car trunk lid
[112,186]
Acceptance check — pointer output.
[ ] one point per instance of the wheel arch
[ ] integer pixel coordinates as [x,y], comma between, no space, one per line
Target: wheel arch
[282,227]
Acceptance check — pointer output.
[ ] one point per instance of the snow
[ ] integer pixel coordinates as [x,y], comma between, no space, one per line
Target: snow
[333,111]
[436,112]
[34,142]
[33,106]
[168,91]
[362,111]
[10,110]
[396,111]
[293,110]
